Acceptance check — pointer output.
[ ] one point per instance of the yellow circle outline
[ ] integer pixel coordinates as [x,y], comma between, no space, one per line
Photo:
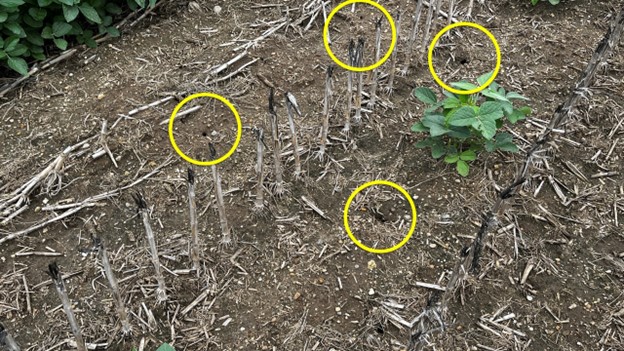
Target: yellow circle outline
[464,24]
[346,216]
[239,129]
[353,68]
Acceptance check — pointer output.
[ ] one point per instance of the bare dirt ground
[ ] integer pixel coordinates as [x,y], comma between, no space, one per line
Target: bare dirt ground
[293,280]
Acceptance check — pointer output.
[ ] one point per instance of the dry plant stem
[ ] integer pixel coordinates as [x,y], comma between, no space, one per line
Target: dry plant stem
[423,48]
[226,239]
[279,180]
[193,220]
[103,135]
[451,12]
[6,340]
[351,54]
[469,261]
[412,38]
[59,284]
[438,8]
[469,11]
[161,291]
[112,283]
[393,59]
[290,106]
[259,200]
[359,59]
[373,93]
[326,104]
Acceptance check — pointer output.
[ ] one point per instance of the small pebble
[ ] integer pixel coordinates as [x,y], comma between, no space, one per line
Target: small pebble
[217,9]
[371,292]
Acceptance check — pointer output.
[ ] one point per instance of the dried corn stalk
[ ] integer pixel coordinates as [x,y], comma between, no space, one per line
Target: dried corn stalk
[161,291]
[359,60]
[226,232]
[412,38]
[279,188]
[351,54]
[193,219]
[326,104]
[259,200]
[6,340]
[291,105]
[393,58]
[59,284]
[373,93]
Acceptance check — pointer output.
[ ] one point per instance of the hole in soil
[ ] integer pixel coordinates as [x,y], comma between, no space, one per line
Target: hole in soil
[463,61]
[204,134]
[380,330]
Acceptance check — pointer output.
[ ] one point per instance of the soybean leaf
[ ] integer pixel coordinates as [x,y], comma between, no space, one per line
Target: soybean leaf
[46,33]
[113,8]
[31,22]
[141,3]
[165,347]
[152,3]
[494,94]
[18,51]
[424,143]
[112,31]
[68,2]
[468,155]
[434,107]
[436,125]
[2,54]
[504,141]
[459,132]
[507,107]
[70,12]
[38,14]
[526,110]
[489,145]
[515,116]
[425,95]
[419,128]
[60,43]
[3,16]
[463,168]
[38,56]
[60,28]
[89,12]
[484,78]
[513,95]
[438,149]
[15,28]
[487,126]
[451,102]
[44,3]
[491,109]
[451,158]
[10,43]
[464,85]
[18,64]
[464,116]
[11,3]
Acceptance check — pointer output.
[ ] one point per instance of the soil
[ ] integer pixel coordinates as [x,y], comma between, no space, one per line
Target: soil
[292,279]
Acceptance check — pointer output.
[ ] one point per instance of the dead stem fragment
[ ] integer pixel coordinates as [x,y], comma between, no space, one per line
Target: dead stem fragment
[59,284]
[326,104]
[6,340]
[279,187]
[193,219]
[259,200]
[161,291]
[291,104]
[389,88]
[226,233]
[373,92]
[359,59]
[347,124]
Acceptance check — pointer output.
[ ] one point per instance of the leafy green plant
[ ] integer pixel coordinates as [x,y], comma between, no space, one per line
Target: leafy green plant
[552,2]
[31,28]
[461,126]
[163,347]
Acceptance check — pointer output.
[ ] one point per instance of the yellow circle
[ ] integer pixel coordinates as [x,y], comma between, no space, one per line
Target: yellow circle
[464,24]
[346,216]
[239,129]
[353,68]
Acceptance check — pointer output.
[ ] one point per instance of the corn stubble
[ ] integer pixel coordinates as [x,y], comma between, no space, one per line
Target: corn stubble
[279,188]
[226,231]
[195,251]
[59,284]
[161,290]
[326,104]
[259,208]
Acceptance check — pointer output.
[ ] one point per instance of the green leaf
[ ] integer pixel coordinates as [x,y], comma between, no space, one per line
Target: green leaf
[433,107]
[419,128]
[11,3]
[38,56]
[438,149]
[165,347]
[450,159]
[18,64]
[68,2]
[44,3]
[489,146]
[462,168]
[487,127]
[31,22]
[424,143]
[10,43]
[459,132]
[113,8]
[494,94]
[491,110]
[152,3]
[515,116]
[464,86]
[507,107]
[425,95]
[484,78]
[553,2]
[70,12]
[526,110]
[504,142]
[112,31]
[46,33]
[89,12]
[15,28]
[18,51]
[436,125]
[468,155]
[60,43]
[451,102]
[38,14]
[513,95]
[464,116]
[60,28]
[3,16]
[141,3]
[2,55]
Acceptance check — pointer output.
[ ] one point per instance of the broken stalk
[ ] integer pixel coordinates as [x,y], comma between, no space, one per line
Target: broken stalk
[393,59]
[423,48]
[226,239]
[259,201]
[161,291]
[359,59]
[279,188]
[326,104]
[59,284]
[412,38]
[450,12]
[112,283]
[351,54]
[291,104]
[193,219]
[7,340]
[373,93]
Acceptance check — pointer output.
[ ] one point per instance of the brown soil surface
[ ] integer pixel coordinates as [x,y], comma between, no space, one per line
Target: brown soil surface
[292,280]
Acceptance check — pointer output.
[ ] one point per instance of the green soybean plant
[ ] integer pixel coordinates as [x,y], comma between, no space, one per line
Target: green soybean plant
[552,2]
[461,126]
[162,347]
